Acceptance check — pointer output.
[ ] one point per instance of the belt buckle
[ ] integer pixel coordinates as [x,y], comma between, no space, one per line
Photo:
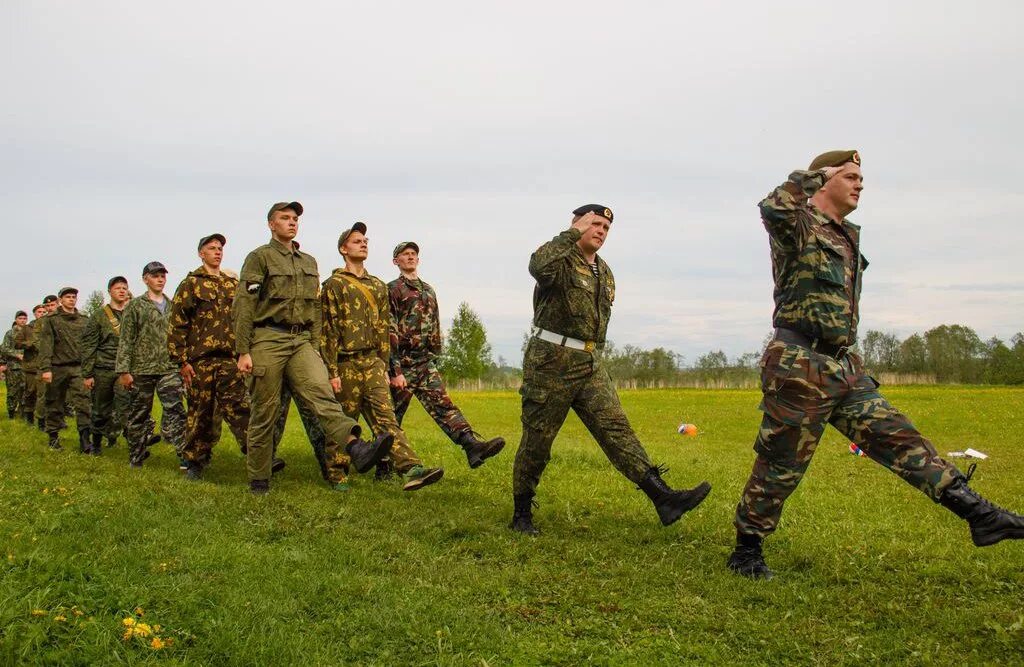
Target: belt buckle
[589,346]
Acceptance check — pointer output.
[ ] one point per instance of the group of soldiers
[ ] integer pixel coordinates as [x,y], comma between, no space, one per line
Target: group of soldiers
[242,349]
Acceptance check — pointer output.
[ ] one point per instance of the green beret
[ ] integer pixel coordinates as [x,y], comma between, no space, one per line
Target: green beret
[834,159]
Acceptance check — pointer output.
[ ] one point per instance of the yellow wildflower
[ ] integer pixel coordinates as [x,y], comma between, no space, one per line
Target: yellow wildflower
[39,612]
[139,612]
[61,618]
[143,629]
[156,644]
[128,621]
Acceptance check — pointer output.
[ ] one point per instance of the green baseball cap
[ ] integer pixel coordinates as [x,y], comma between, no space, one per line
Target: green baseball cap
[358,227]
[282,205]
[403,246]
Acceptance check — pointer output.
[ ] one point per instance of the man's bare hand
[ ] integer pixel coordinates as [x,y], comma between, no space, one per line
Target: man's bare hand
[187,373]
[583,224]
[245,364]
[831,171]
[336,385]
[46,377]
[126,380]
[89,383]
[398,382]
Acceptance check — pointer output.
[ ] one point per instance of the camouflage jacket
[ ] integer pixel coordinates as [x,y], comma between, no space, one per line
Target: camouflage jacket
[26,341]
[142,347]
[352,323]
[8,353]
[416,334]
[816,262]
[277,286]
[60,340]
[568,299]
[201,317]
[99,342]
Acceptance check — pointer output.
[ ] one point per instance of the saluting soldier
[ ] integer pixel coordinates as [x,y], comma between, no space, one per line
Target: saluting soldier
[25,342]
[277,338]
[60,368]
[356,347]
[562,369]
[810,378]
[12,359]
[415,347]
[99,356]
[201,342]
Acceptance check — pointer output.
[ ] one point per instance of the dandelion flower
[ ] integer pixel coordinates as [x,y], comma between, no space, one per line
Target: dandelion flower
[60,619]
[128,621]
[156,644]
[39,612]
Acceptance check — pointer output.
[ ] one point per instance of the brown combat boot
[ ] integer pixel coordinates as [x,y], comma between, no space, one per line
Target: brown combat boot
[478,450]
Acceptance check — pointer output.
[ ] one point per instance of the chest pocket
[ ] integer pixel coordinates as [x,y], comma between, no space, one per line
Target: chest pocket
[310,288]
[280,283]
[829,264]
[206,291]
[580,295]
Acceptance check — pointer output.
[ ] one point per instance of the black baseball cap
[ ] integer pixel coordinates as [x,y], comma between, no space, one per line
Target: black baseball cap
[212,237]
[115,280]
[153,267]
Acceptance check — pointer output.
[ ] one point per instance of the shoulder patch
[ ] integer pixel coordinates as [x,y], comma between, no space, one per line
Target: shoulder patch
[252,288]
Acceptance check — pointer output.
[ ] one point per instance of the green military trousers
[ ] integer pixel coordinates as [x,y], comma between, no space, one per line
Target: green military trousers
[109,404]
[556,378]
[364,391]
[28,394]
[279,357]
[803,392]
[66,383]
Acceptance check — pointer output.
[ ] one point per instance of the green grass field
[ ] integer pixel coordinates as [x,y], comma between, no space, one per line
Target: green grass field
[868,569]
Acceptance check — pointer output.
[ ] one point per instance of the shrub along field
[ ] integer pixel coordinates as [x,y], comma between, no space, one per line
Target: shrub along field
[103,564]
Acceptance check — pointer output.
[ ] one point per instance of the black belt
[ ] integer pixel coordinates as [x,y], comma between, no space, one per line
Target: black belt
[220,354]
[348,356]
[294,329]
[794,337]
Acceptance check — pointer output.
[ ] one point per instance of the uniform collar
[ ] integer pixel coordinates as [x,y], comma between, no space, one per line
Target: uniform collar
[285,251]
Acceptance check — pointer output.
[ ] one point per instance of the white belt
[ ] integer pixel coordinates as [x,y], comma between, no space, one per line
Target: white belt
[565,341]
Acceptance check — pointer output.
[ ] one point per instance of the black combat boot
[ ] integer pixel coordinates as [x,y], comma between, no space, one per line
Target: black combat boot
[29,419]
[671,504]
[989,523]
[10,414]
[193,470]
[385,471]
[522,515]
[153,439]
[477,450]
[366,454]
[747,558]
[259,487]
[97,443]
[41,424]
[54,442]
[277,465]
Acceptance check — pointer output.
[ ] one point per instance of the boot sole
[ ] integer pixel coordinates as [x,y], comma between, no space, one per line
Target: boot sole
[493,451]
[428,479]
[700,493]
[383,449]
[995,538]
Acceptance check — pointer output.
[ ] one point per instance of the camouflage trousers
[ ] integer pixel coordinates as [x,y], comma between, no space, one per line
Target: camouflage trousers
[39,409]
[803,392]
[15,390]
[364,391]
[170,391]
[66,383]
[557,378]
[217,389]
[29,393]
[425,383]
[314,433]
[109,404]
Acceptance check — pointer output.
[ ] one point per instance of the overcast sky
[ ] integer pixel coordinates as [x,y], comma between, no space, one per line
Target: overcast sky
[129,131]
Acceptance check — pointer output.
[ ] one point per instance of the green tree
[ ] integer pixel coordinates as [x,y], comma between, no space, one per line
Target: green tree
[881,351]
[467,354]
[913,355]
[954,353]
[93,303]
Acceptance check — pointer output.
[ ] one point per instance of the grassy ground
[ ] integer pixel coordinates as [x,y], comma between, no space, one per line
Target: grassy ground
[868,570]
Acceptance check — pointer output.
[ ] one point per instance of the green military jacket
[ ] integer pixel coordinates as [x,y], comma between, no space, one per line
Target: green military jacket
[356,317]
[816,262]
[8,353]
[201,317]
[568,299]
[99,341]
[278,286]
[416,334]
[142,347]
[60,340]
[26,341]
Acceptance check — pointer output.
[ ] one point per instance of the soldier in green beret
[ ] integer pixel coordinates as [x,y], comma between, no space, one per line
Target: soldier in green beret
[811,378]
[277,338]
[562,369]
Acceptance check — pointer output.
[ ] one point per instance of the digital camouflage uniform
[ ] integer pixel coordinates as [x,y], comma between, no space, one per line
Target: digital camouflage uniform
[25,341]
[201,334]
[142,352]
[817,267]
[99,356]
[415,346]
[356,345]
[15,377]
[569,300]
[277,321]
[59,343]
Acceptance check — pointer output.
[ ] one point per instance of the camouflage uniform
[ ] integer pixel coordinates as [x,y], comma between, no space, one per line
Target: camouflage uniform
[415,346]
[817,268]
[25,341]
[201,335]
[15,377]
[59,343]
[277,321]
[355,345]
[142,352]
[571,301]
[99,355]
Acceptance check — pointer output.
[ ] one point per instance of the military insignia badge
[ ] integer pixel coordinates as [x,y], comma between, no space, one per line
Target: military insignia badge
[608,213]
[252,288]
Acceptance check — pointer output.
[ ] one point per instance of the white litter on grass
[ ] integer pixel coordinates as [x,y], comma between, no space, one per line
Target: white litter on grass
[968,454]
